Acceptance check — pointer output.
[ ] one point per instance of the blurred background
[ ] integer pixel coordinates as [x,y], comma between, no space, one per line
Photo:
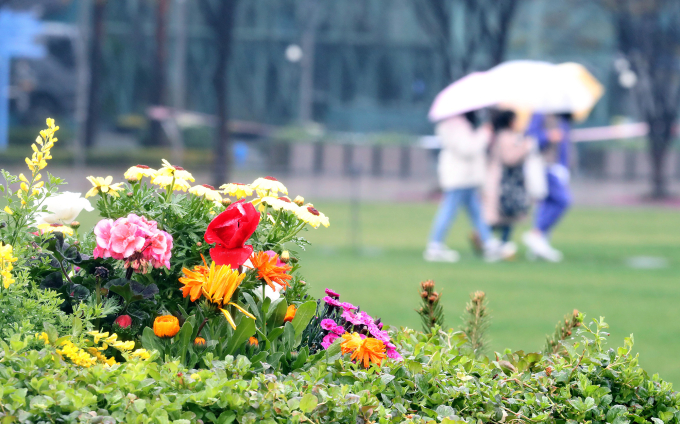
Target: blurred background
[331,97]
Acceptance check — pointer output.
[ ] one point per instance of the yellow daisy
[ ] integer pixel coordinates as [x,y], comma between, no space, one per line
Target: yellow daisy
[312,216]
[175,171]
[138,171]
[103,185]
[237,189]
[268,186]
[166,180]
[206,191]
[278,203]
[55,228]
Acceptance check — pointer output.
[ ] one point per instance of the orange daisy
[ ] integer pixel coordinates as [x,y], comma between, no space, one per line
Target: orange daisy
[217,284]
[268,271]
[367,350]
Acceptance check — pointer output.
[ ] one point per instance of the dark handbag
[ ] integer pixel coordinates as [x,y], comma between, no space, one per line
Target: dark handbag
[514,201]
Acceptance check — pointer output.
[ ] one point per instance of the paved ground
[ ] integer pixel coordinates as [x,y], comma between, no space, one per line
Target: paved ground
[586,192]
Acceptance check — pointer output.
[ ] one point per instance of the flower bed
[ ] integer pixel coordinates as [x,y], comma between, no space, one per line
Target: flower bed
[186,304]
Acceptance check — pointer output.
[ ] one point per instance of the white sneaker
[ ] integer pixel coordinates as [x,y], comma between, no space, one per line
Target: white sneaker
[492,250]
[539,247]
[439,252]
[508,251]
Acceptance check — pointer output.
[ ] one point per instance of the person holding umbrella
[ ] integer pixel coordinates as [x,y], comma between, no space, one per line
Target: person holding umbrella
[552,133]
[461,170]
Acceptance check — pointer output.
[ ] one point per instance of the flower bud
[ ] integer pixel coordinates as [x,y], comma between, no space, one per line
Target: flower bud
[299,200]
[101,272]
[199,244]
[253,341]
[199,342]
[130,194]
[132,180]
[124,321]
[75,225]
[226,201]
[285,256]
[433,298]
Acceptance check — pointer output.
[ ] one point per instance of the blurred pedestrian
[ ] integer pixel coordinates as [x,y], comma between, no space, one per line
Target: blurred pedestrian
[552,133]
[505,198]
[461,169]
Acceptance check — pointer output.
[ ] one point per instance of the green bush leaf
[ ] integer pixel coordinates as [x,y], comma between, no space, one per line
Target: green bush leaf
[308,403]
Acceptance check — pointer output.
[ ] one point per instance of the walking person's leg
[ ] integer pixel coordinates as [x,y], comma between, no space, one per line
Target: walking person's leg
[548,214]
[474,209]
[446,214]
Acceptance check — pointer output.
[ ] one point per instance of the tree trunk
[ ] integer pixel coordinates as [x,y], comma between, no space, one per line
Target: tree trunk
[158,91]
[97,39]
[659,141]
[224,34]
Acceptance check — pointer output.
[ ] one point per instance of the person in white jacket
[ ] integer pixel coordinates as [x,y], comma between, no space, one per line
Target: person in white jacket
[462,171]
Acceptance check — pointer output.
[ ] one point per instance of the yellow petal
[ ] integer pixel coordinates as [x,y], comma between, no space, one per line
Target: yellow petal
[229,319]
[8,210]
[246,313]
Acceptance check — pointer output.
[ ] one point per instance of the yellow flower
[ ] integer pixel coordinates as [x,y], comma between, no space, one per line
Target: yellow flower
[278,203]
[101,357]
[103,185]
[312,216]
[98,336]
[141,354]
[166,180]
[55,228]
[43,336]
[206,191]
[217,284]
[6,260]
[268,186]
[237,189]
[76,354]
[195,376]
[138,171]
[8,211]
[42,154]
[175,171]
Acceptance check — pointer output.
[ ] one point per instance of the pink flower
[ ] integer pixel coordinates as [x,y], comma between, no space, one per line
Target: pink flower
[124,321]
[273,254]
[348,306]
[339,330]
[328,324]
[329,300]
[134,239]
[332,293]
[352,318]
[393,354]
[124,239]
[328,340]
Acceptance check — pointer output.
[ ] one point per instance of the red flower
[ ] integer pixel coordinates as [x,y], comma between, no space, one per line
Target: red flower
[124,321]
[229,231]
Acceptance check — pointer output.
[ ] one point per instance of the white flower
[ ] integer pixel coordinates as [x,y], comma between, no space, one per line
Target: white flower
[272,294]
[63,208]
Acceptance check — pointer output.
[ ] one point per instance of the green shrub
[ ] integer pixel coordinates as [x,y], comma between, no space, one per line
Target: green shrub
[439,380]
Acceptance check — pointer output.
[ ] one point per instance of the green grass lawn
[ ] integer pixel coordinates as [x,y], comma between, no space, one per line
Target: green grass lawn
[526,298]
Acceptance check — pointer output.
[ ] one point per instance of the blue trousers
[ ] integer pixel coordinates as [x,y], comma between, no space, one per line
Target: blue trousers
[552,208]
[448,209]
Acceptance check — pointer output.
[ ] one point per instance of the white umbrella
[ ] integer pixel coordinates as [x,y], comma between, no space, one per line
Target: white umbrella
[522,85]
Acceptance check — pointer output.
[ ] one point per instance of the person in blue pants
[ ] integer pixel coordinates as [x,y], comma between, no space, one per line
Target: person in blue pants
[461,169]
[552,133]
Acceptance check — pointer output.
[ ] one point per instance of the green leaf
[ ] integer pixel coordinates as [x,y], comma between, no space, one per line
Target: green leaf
[301,359]
[277,312]
[184,340]
[52,333]
[303,315]
[150,341]
[254,309]
[244,330]
[308,403]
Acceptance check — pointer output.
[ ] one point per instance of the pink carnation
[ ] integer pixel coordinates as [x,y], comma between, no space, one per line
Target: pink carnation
[328,340]
[348,306]
[328,324]
[273,254]
[134,239]
[339,330]
[352,318]
[329,300]
[332,293]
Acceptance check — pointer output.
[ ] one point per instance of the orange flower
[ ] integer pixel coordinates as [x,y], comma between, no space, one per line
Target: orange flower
[290,313]
[193,281]
[269,272]
[217,284]
[166,326]
[351,342]
[253,341]
[367,350]
[199,341]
